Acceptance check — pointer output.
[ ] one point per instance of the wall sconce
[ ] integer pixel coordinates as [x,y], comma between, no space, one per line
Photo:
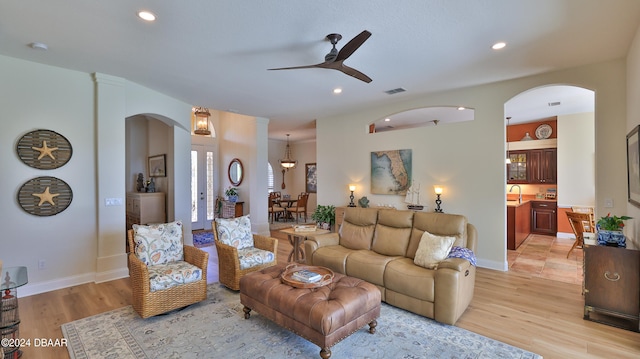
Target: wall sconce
[438,190]
[202,121]
[352,188]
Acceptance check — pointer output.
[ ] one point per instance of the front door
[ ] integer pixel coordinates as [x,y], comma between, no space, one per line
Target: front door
[202,195]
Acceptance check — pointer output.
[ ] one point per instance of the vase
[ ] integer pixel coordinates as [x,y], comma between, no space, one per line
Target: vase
[233,198]
[612,238]
[324,225]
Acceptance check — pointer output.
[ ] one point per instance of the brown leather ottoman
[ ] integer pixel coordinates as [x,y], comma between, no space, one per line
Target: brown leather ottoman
[323,315]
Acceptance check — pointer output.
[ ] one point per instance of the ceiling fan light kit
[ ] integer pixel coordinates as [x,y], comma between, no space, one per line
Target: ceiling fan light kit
[334,60]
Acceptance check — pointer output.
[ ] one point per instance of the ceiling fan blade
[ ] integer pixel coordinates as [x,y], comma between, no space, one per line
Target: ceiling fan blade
[351,46]
[296,67]
[354,73]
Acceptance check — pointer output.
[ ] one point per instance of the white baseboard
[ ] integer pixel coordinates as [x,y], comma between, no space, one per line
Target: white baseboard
[565,235]
[60,283]
[501,266]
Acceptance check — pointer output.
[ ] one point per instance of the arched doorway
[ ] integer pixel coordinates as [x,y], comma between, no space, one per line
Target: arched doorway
[538,244]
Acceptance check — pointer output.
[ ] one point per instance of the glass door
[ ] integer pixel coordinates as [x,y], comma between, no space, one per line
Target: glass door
[202,195]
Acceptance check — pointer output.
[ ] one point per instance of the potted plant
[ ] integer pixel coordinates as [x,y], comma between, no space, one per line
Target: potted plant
[231,193]
[610,230]
[325,216]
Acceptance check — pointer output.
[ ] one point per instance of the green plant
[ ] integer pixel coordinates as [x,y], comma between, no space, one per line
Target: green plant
[612,223]
[231,191]
[324,214]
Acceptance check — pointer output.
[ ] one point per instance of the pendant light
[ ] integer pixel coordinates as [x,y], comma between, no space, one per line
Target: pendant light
[508,161]
[288,163]
[202,121]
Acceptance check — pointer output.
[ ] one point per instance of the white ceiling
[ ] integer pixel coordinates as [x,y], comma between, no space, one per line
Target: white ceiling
[215,53]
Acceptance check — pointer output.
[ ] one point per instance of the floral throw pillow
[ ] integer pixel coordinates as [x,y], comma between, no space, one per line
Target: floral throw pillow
[158,243]
[235,232]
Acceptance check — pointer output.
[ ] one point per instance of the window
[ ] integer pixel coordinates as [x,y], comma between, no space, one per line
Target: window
[269,177]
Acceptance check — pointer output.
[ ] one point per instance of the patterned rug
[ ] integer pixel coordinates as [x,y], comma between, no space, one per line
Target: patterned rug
[216,328]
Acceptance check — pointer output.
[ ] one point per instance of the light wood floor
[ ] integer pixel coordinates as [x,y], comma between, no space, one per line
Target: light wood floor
[533,313]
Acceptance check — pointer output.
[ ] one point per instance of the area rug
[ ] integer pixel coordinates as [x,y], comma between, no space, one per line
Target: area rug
[216,328]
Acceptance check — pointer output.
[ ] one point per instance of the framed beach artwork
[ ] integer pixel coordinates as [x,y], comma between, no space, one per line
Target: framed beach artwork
[311,178]
[157,166]
[390,172]
[633,167]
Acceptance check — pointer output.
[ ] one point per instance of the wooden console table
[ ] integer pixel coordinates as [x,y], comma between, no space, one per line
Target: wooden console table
[612,286]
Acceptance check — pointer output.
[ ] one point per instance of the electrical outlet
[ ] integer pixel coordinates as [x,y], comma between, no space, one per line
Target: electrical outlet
[42,264]
[608,203]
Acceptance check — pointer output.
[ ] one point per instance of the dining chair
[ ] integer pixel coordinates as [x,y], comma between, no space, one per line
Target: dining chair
[578,221]
[274,211]
[591,225]
[300,208]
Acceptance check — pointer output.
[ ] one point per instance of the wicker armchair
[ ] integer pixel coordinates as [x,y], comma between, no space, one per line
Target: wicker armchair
[148,303]
[230,259]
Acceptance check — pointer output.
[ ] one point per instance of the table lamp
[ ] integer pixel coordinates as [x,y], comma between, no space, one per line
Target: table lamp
[352,188]
[438,190]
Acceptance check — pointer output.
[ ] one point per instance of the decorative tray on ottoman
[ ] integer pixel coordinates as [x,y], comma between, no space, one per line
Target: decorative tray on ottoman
[288,277]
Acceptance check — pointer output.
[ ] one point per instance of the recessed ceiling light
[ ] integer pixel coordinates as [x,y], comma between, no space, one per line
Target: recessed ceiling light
[499,45]
[337,90]
[146,15]
[461,108]
[387,119]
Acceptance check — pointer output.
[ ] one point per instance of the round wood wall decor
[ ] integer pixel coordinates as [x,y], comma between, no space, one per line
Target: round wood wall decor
[44,149]
[45,196]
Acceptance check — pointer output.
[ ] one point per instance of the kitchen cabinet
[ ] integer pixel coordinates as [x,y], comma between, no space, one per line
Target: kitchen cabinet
[544,217]
[543,165]
[517,169]
[533,166]
[518,223]
[612,286]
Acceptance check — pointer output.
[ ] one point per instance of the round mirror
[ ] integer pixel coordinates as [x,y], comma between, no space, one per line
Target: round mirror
[236,172]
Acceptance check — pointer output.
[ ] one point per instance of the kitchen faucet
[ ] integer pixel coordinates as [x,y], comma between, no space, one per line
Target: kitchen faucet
[519,192]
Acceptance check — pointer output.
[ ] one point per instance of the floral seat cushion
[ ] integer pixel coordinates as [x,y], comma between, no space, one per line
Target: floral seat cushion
[235,232]
[173,274]
[251,257]
[158,243]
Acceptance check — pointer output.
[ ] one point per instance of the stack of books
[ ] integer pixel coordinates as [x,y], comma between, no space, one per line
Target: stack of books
[306,276]
[304,228]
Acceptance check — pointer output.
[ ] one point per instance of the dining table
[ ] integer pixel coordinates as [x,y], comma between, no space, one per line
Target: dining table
[286,203]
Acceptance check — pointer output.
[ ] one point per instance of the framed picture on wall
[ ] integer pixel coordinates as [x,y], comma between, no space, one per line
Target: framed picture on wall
[311,178]
[157,166]
[633,167]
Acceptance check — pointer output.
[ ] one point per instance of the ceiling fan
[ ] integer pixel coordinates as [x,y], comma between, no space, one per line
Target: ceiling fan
[334,59]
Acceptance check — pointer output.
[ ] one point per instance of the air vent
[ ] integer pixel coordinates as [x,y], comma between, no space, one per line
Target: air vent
[395,91]
[557,103]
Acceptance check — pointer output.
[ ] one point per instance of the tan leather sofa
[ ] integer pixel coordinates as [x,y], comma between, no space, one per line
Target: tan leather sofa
[379,245]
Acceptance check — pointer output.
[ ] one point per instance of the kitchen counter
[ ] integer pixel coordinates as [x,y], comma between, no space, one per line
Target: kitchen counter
[514,203]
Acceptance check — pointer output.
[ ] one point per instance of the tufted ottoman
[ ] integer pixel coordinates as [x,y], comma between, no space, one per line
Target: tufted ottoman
[323,315]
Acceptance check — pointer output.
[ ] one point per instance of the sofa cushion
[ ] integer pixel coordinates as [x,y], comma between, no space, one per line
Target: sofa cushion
[332,257]
[172,274]
[251,257]
[432,250]
[157,244]
[356,231]
[441,224]
[393,232]
[368,265]
[235,232]
[403,276]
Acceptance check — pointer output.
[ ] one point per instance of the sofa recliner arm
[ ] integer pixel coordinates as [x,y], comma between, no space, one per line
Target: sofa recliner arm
[328,239]
[457,264]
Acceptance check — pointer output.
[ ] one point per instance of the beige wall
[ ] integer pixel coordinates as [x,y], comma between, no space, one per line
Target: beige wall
[632,120]
[468,158]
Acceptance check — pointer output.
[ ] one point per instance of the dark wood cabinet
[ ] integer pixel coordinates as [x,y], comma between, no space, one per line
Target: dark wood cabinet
[543,165]
[518,224]
[543,217]
[612,286]
[533,166]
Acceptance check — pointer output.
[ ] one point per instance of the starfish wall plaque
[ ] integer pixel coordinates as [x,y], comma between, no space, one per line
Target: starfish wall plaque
[44,149]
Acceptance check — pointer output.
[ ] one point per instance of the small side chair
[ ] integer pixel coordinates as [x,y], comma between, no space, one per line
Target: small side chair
[165,274]
[239,251]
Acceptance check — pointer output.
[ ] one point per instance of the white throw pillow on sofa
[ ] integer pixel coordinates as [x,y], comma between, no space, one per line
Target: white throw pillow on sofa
[432,249]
